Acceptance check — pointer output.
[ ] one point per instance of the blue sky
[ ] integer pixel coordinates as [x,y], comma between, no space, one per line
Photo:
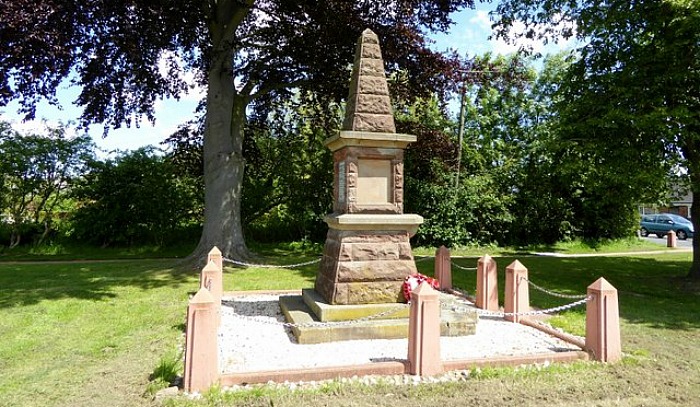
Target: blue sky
[469,36]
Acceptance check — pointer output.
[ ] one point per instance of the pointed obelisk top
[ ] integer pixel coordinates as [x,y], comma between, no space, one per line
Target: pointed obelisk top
[369,107]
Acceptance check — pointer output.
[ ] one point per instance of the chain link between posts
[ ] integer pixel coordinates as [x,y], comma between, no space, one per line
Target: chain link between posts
[465,309]
[552,293]
[582,299]
[272,266]
[462,268]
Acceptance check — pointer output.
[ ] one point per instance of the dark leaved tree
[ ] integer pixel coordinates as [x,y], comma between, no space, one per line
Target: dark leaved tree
[126,54]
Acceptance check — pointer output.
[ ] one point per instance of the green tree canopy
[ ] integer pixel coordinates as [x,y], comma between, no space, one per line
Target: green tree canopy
[36,171]
[631,96]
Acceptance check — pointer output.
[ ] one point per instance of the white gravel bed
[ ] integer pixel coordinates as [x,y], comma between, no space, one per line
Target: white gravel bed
[251,338]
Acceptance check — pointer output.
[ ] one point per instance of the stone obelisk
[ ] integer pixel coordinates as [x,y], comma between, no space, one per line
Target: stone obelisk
[367,254]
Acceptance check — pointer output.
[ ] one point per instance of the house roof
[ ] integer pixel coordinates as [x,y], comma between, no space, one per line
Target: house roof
[683,199]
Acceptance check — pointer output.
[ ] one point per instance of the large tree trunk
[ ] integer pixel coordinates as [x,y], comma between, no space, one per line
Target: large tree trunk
[694,273]
[223,169]
[692,157]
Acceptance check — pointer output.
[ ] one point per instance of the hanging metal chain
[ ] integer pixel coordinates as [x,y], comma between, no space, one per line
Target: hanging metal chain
[241,263]
[463,268]
[272,266]
[552,293]
[465,307]
[533,313]
[317,324]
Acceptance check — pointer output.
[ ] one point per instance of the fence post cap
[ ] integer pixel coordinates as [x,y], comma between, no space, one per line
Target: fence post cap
[424,290]
[516,265]
[602,284]
[443,249]
[211,266]
[485,258]
[215,251]
[203,296]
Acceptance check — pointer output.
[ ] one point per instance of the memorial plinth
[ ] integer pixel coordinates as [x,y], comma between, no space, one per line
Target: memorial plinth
[367,255]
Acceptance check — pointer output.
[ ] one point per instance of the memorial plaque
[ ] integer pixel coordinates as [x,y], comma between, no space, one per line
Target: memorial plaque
[374,182]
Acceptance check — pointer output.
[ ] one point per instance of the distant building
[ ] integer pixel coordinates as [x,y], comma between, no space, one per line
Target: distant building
[682,205]
[679,205]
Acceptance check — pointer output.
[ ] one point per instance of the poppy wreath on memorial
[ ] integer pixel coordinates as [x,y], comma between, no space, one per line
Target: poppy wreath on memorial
[414,280]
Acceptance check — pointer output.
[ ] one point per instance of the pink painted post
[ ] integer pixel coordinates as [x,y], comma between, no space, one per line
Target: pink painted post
[671,239]
[217,282]
[603,322]
[216,257]
[211,278]
[443,268]
[517,295]
[487,283]
[201,347]
[424,332]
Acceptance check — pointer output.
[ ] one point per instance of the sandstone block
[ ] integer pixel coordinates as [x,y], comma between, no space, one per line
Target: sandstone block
[351,180]
[350,236]
[372,86]
[374,251]
[368,37]
[368,293]
[388,208]
[405,252]
[372,67]
[346,252]
[371,51]
[325,287]
[373,122]
[398,196]
[378,104]
[363,271]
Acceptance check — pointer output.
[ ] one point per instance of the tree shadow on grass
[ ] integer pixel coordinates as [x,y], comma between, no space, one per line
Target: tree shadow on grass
[27,284]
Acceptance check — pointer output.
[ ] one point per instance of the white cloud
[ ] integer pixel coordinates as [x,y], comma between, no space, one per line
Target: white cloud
[536,45]
[471,35]
[481,19]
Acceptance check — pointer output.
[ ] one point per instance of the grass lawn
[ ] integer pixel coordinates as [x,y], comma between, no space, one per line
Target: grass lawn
[89,334]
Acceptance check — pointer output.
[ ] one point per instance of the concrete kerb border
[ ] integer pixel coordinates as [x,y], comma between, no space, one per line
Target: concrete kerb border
[398,367]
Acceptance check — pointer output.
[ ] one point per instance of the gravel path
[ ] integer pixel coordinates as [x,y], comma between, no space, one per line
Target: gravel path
[251,338]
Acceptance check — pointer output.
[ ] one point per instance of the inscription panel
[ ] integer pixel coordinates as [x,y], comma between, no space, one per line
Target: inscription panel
[374,182]
[341,181]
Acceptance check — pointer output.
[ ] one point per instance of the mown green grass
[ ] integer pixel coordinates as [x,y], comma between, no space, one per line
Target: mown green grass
[67,252]
[85,334]
[632,244]
[91,334]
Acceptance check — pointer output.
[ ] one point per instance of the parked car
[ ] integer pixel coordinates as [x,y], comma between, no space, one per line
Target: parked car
[661,223]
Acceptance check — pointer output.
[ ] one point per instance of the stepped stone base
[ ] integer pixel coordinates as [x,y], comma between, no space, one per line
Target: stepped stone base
[305,308]
[325,312]
[364,267]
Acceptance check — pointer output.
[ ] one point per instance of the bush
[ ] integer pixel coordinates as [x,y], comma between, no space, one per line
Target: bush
[134,199]
[472,214]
